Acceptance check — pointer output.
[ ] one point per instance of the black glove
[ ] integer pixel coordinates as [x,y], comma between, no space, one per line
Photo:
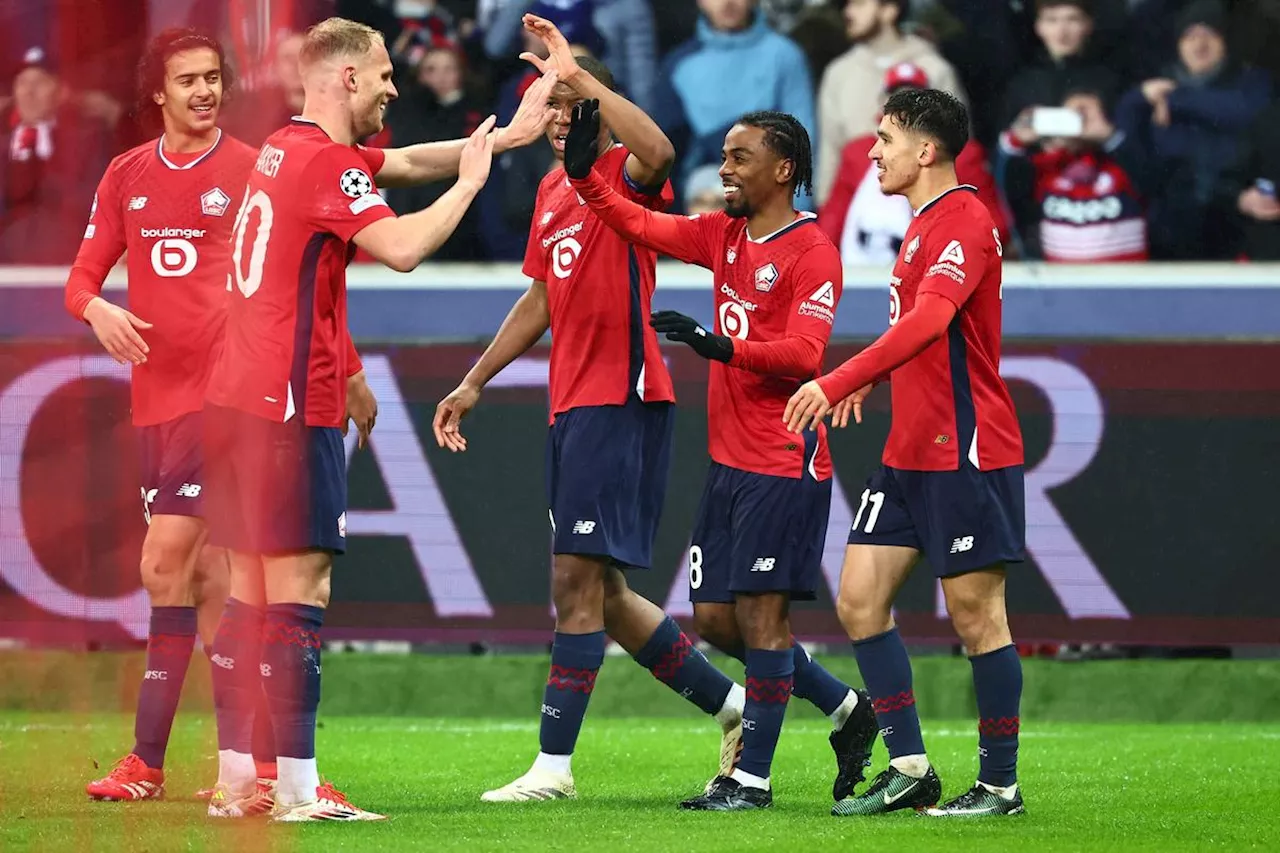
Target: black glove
[584,136]
[687,330]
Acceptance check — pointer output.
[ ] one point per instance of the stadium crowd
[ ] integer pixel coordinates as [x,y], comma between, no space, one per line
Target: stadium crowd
[1104,130]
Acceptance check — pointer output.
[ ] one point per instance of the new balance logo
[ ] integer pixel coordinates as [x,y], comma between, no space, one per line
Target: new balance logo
[188,490]
[764,564]
[959,546]
[156,675]
[225,663]
[138,202]
[953,254]
[585,528]
[265,670]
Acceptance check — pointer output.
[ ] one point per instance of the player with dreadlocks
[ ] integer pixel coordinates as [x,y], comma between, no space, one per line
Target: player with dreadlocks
[169,203]
[759,535]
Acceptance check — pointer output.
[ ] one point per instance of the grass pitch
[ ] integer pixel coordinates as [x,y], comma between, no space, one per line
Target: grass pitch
[1095,787]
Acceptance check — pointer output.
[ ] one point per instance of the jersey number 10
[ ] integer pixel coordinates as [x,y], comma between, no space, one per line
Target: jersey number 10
[250,282]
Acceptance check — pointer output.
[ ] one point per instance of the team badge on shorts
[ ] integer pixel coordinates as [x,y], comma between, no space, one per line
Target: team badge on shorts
[215,202]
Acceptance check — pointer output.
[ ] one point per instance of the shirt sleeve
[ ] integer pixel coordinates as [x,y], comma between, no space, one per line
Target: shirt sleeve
[102,246]
[817,283]
[374,158]
[344,199]
[354,365]
[693,239]
[959,251]
[614,168]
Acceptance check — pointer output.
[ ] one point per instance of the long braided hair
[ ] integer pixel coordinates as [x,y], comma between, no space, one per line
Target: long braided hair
[785,136]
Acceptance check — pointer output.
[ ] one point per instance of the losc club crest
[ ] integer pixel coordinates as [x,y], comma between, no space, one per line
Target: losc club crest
[911,249]
[215,202]
[766,277]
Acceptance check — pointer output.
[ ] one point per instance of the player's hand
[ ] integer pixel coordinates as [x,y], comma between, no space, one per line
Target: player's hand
[559,54]
[686,330]
[477,155]
[116,329]
[852,403]
[450,412]
[1258,205]
[582,144]
[807,407]
[362,407]
[532,116]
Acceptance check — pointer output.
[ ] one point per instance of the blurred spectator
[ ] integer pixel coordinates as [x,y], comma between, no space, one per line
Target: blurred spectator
[625,30]
[704,191]
[1188,125]
[734,65]
[1248,188]
[251,115]
[424,24]
[1066,62]
[434,107]
[1085,203]
[677,22]
[848,100]
[867,225]
[819,32]
[54,154]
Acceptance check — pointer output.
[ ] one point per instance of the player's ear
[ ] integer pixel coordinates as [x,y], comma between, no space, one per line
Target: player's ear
[784,171]
[158,97]
[928,152]
[349,78]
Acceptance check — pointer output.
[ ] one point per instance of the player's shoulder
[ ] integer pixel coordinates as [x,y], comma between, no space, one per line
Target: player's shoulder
[959,209]
[239,150]
[134,161]
[802,239]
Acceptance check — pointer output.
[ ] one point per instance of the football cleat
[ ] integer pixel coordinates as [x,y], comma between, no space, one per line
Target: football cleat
[534,785]
[852,745]
[978,801]
[224,804]
[266,786]
[730,752]
[729,795]
[329,804]
[129,779]
[893,790]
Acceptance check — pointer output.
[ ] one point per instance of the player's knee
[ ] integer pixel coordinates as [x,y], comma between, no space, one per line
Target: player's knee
[166,571]
[717,626]
[980,622]
[861,616]
[578,592]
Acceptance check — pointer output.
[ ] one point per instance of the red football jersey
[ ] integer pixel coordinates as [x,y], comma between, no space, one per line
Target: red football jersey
[950,398]
[599,289]
[173,215]
[286,348]
[768,288]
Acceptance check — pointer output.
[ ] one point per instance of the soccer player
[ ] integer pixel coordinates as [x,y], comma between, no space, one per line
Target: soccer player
[608,449]
[758,539]
[277,397]
[169,204]
[951,486]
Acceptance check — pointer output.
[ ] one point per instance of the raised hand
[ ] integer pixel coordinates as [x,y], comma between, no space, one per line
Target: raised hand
[559,54]
[581,146]
[533,115]
[116,331]
[477,155]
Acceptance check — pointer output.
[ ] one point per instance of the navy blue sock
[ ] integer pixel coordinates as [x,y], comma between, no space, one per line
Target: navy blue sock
[815,684]
[169,645]
[291,675]
[264,736]
[997,684]
[769,682]
[236,654]
[673,660]
[886,670]
[575,660]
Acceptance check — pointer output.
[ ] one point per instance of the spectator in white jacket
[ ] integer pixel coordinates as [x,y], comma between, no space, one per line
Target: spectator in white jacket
[849,98]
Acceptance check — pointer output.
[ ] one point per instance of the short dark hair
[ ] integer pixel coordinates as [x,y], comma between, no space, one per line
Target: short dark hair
[1085,6]
[785,136]
[598,70]
[933,113]
[151,68]
[904,10]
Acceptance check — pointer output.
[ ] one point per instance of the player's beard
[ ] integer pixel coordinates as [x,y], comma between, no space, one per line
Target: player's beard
[740,209]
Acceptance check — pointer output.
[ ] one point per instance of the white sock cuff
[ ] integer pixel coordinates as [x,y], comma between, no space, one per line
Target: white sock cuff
[747,780]
[558,764]
[915,766]
[731,710]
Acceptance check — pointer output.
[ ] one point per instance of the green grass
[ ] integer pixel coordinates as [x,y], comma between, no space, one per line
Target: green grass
[1095,787]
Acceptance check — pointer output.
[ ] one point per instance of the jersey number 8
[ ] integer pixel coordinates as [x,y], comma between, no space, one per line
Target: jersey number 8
[261,202]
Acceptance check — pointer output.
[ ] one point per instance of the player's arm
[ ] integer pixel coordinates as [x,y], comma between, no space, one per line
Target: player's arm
[362,406]
[403,242]
[102,246]
[524,326]
[651,153]
[817,283]
[435,161]
[960,266]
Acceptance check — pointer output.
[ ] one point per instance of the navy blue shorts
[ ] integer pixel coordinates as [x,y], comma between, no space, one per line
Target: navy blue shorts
[756,533]
[961,520]
[172,467]
[275,487]
[606,479]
